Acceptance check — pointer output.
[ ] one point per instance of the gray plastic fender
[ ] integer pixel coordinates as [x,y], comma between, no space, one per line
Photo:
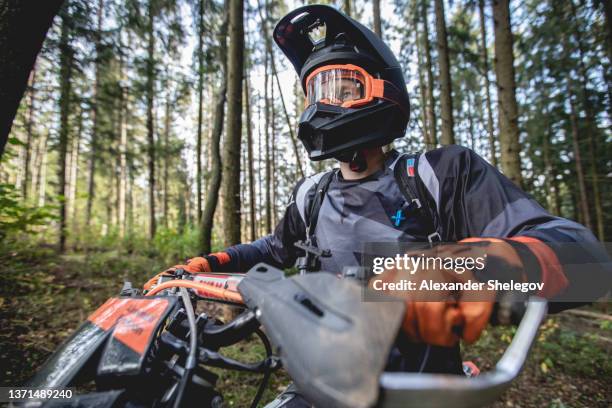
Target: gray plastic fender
[333,344]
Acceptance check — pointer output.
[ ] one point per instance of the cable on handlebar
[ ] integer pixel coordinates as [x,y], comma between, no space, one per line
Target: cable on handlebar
[190,363]
[266,375]
[220,293]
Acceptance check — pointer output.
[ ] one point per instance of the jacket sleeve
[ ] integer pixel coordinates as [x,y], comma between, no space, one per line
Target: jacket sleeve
[276,249]
[473,199]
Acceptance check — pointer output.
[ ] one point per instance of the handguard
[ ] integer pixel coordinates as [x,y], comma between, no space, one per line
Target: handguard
[302,313]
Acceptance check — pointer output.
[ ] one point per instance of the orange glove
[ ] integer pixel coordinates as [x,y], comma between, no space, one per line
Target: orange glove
[193,265]
[445,322]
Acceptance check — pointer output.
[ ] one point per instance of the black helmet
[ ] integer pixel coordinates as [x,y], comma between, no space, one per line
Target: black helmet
[346,52]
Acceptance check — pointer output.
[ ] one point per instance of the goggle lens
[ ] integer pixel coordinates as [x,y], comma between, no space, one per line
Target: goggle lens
[335,87]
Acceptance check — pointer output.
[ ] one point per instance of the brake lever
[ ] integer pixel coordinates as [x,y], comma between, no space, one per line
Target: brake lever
[214,359]
[216,336]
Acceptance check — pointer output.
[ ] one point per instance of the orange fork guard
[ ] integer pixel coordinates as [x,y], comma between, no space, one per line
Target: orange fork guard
[212,291]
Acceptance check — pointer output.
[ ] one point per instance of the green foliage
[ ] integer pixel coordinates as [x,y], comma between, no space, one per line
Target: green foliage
[17,217]
[173,247]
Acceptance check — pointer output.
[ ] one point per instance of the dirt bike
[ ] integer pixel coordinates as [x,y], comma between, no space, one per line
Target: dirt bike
[150,349]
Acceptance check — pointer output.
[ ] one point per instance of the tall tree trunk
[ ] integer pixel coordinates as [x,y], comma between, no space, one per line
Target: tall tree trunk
[74,171]
[294,143]
[65,74]
[550,173]
[346,5]
[250,158]
[23,28]
[431,103]
[591,125]
[267,127]
[29,135]
[212,196]
[606,5]
[422,87]
[199,174]
[42,173]
[91,189]
[446,91]
[150,89]
[507,110]
[273,155]
[422,95]
[584,201]
[167,120]
[280,90]
[232,145]
[123,140]
[376,16]
[130,199]
[485,71]
[261,163]
[470,118]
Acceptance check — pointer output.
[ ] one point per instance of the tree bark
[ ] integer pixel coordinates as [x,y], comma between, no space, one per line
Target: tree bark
[232,145]
[250,158]
[267,127]
[23,28]
[551,174]
[74,171]
[65,74]
[507,110]
[591,125]
[29,135]
[376,16]
[42,173]
[296,149]
[150,72]
[583,198]
[422,93]
[123,140]
[485,69]
[270,51]
[431,103]
[446,91]
[422,87]
[91,189]
[212,197]
[200,107]
[347,7]
[167,121]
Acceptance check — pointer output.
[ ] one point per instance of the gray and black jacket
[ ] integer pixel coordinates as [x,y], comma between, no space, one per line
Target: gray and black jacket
[469,197]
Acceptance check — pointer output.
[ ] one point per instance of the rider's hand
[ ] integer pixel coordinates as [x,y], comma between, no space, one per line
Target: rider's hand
[193,265]
[437,320]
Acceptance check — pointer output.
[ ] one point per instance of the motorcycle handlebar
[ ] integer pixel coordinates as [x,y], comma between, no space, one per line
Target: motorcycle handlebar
[423,390]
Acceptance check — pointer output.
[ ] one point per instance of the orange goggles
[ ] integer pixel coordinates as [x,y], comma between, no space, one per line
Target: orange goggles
[348,86]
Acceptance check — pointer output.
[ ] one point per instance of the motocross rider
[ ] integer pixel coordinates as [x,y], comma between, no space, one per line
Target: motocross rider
[356,104]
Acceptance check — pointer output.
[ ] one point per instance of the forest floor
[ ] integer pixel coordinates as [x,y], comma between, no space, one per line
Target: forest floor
[44,297]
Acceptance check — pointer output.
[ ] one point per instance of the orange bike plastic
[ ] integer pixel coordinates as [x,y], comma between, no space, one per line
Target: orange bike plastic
[208,290]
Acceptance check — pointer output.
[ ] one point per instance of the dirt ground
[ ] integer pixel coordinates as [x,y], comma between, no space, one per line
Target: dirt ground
[43,298]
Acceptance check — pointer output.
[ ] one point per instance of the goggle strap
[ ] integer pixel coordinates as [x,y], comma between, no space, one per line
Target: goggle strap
[386,90]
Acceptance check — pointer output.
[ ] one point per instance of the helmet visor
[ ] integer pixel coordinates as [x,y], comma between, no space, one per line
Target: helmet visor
[336,86]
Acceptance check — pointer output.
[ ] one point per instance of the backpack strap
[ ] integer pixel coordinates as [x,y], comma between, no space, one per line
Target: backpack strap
[313,215]
[406,174]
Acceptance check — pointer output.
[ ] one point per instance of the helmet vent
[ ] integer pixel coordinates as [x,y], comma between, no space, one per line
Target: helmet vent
[317,32]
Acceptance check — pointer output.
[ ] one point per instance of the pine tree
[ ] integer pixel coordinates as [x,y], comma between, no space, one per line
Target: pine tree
[507,109]
[446,92]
